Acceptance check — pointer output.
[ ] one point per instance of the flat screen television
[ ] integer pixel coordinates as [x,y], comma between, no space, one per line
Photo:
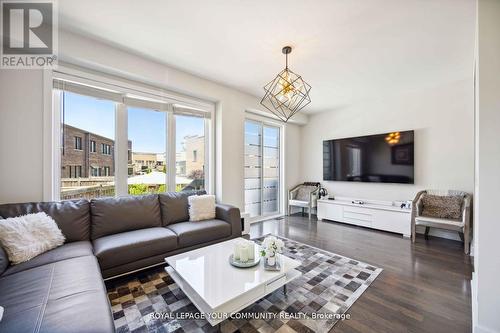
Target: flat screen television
[381,158]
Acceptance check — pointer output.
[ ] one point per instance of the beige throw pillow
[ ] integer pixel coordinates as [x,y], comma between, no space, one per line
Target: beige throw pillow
[201,207]
[25,237]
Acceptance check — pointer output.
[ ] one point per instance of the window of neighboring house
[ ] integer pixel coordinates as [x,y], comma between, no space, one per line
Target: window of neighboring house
[94,171]
[195,155]
[107,171]
[92,146]
[105,149]
[78,143]
[75,171]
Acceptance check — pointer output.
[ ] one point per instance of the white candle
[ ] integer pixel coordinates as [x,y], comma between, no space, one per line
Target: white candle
[251,250]
[244,253]
[236,253]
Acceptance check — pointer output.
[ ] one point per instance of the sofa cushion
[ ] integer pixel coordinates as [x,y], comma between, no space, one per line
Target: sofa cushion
[71,216]
[4,260]
[66,251]
[65,296]
[115,215]
[125,247]
[174,206]
[442,206]
[192,233]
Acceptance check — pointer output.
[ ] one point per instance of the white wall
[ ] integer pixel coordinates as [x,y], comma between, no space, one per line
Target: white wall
[486,287]
[443,120]
[21,128]
[22,107]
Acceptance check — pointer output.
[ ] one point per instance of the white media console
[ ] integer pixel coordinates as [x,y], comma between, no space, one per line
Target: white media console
[382,215]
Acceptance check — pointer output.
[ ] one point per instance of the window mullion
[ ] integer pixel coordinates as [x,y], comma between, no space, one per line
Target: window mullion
[121,149]
[170,154]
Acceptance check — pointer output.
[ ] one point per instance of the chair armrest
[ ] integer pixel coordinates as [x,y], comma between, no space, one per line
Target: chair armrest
[292,191]
[231,215]
[313,197]
[466,210]
[417,203]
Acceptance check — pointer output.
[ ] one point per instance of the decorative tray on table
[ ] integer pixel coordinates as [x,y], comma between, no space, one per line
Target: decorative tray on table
[244,264]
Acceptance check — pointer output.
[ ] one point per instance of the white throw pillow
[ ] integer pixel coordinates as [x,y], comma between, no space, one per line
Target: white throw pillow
[201,207]
[25,237]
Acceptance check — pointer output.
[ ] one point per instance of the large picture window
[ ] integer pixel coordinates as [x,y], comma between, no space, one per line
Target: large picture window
[113,143]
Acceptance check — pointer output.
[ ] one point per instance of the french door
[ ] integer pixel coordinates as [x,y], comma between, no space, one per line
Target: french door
[262,169]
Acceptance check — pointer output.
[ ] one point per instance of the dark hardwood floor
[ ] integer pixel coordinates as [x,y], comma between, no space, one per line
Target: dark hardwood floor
[425,287]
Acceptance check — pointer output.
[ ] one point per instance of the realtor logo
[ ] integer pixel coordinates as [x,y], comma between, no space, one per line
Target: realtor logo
[29,34]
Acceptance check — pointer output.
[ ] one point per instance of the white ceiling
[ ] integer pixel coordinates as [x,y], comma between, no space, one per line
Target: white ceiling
[348,50]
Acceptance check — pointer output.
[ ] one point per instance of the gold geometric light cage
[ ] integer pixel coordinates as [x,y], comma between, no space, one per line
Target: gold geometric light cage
[287,93]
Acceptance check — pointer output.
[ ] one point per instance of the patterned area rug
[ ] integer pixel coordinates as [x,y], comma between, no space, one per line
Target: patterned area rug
[330,284]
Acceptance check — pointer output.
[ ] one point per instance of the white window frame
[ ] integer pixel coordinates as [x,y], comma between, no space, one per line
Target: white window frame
[174,104]
[283,201]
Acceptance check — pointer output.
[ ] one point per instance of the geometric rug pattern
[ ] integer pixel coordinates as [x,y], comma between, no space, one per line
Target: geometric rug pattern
[314,302]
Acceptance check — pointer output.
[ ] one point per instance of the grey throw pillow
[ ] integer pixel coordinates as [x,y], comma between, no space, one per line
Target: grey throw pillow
[441,206]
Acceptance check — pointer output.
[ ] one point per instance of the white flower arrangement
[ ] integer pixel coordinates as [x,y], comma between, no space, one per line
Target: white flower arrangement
[271,246]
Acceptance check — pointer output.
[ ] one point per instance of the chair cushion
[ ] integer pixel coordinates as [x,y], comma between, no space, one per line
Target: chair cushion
[299,203]
[71,216]
[65,296]
[436,222]
[304,191]
[126,247]
[175,207]
[192,233]
[66,251]
[115,215]
[442,206]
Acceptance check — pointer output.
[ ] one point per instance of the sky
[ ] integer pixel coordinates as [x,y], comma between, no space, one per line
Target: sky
[146,128]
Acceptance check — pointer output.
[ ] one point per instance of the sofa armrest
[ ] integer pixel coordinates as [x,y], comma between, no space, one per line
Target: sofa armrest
[231,215]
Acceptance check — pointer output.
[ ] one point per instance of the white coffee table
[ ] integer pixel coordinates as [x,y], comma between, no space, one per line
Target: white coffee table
[216,287]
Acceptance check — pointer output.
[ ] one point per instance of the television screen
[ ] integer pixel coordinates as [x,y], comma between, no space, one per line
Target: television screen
[381,158]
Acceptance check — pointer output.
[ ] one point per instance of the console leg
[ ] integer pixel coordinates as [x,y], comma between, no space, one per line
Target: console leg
[284,289]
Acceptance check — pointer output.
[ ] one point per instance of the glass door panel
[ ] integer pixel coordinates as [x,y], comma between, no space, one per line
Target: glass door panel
[262,182]
[252,172]
[271,170]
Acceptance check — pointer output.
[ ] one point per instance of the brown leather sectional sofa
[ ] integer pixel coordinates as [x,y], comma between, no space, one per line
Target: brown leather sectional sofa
[62,290]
